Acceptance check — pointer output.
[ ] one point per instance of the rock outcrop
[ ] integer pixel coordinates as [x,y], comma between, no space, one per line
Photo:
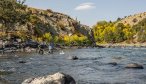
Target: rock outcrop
[57,78]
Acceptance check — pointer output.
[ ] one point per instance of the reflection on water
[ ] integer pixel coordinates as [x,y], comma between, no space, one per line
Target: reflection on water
[92,67]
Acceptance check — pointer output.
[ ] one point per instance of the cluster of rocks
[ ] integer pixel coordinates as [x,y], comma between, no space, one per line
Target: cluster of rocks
[128,66]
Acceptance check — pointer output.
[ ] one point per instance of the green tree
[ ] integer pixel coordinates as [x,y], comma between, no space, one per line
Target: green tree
[119,34]
[11,11]
[129,33]
[47,37]
[109,35]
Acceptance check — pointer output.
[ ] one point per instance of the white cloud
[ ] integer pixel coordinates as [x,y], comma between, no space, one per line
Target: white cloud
[85,6]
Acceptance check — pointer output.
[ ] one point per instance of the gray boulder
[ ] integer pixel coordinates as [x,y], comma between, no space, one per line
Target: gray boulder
[134,66]
[57,78]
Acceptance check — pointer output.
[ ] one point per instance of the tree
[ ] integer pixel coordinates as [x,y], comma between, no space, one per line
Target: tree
[128,32]
[134,20]
[119,34]
[104,32]
[119,19]
[47,37]
[11,11]
[109,35]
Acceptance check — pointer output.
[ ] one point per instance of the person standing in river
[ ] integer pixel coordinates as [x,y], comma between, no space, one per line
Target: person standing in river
[41,48]
[50,47]
[3,46]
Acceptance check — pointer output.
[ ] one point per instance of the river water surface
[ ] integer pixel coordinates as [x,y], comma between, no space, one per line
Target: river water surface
[91,68]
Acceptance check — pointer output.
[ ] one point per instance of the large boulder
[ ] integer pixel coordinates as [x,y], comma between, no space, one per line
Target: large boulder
[57,78]
[134,66]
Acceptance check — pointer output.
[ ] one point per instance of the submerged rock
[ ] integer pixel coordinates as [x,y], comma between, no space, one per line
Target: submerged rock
[73,58]
[4,72]
[21,61]
[113,63]
[3,81]
[57,78]
[117,58]
[134,66]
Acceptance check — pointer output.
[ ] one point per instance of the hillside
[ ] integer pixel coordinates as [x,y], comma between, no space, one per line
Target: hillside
[133,19]
[54,22]
[131,29]
[37,23]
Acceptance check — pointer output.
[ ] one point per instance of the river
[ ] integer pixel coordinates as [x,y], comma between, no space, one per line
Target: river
[92,67]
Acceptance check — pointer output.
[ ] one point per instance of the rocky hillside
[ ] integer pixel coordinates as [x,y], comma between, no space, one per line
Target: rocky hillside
[133,19]
[36,22]
[43,21]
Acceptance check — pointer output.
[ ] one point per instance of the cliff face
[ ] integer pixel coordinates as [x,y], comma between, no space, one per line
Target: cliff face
[42,21]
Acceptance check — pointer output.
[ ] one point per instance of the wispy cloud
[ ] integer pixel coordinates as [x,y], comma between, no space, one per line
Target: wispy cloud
[85,6]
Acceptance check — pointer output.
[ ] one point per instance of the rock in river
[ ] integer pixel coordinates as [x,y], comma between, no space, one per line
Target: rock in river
[73,58]
[4,72]
[134,66]
[3,81]
[57,78]
[21,61]
[113,63]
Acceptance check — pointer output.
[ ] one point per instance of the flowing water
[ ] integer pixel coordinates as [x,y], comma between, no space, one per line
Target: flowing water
[92,67]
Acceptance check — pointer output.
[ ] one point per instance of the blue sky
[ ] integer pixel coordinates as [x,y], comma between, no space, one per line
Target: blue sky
[91,11]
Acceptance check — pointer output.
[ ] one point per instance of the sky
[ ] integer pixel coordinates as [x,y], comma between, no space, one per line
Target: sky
[89,12]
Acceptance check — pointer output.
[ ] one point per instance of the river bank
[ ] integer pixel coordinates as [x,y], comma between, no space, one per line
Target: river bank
[30,49]
[122,45]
